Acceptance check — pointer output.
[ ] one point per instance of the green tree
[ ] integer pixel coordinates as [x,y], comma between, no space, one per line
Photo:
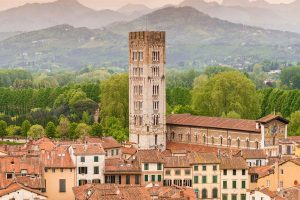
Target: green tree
[231,114]
[82,130]
[114,98]
[63,127]
[294,125]
[86,117]
[25,127]
[213,70]
[3,126]
[114,127]
[96,129]
[13,130]
[36,132]
[225,92]
[72,133]
[50,130]
[290,77]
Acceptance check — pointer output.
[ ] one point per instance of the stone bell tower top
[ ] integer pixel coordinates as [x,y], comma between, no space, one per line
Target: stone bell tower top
[147,95]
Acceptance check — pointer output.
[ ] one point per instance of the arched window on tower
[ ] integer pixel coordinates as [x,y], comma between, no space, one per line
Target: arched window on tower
[229,141]
[221,140]
[204,139]
[248,143]
[238,142]
[212,140]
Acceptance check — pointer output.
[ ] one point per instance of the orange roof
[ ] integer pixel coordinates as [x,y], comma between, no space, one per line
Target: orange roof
[253,154]
[150,156]
[213,122]
[261,171]
[15,187]
[106,142]
[110,192]
[233,163]
[272,117]
[57,158]
[172,192]
[204,158]
[271,194]
[118,165]
[176,162]
[88,149]
[16,164]
[128,150]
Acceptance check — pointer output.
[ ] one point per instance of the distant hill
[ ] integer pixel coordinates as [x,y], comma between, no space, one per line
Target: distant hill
[38,16]
[255,13]
[193,39]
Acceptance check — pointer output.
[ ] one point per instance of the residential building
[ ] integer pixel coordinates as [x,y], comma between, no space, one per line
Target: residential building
[234,178]
[264,194]
[59,173]
[206,175]
[177,171]
[152,166]
[110,145]
[120,171]
[147,90]
[89,159]
[254,157]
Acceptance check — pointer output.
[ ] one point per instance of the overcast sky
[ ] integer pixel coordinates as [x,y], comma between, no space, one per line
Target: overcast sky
[111,4]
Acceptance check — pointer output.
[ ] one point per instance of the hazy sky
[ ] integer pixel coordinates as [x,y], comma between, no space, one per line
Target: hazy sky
[112,4]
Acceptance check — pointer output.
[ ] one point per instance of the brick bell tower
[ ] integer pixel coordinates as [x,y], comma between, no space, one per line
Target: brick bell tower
[147,90]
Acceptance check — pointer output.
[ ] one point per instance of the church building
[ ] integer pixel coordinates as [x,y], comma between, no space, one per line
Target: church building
[150,128]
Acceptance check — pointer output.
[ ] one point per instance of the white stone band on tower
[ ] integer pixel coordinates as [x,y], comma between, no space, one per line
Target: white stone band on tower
[147,90]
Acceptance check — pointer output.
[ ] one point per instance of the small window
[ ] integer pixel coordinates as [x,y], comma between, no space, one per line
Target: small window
[82,159]
[159,166]
[243,184]
[9,176]
[234,184]
[204,168]
[281,171]
[137,179]
[159,178]
[53,170]
[96,170]
[153,178]
[127,179]
[215,179]
[234,172]
[234,197]
[196,168]
[146,178]
[187,172]
[96,159]
[177,172]
[225,172]
[224,196]
[224,184]
[168,172]
[243,172]
[196,179]
[243,196]
[62,185]
[215,167]
[146,166]
[204,179]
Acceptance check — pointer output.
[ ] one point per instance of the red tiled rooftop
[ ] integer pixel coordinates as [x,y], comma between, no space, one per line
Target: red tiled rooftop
[15,187]
[233,163]
[128,150]
[271,117]
[213,122]
[57,158]
[176,162]
[15,164]
[88,149]
[261,171]
[118,165]
[149,156]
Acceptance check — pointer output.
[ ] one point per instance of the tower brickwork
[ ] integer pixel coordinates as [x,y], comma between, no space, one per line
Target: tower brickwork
[147,90]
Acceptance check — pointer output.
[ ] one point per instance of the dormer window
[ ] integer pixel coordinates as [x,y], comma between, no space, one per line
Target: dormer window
[9,176]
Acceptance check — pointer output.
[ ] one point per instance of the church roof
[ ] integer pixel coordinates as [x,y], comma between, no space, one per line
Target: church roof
[272,117]
[213,122]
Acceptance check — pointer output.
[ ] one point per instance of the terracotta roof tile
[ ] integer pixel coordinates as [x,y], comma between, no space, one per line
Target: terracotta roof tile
[15,187]
[176,161]
[253,154]
[59,157]
[271,117]
[172,192]
[261,171]
[88,149]
[15,164]
[149,156]
[106,142]
[213,122]
[233,163]
[119,165]
[204,158]
[128,150]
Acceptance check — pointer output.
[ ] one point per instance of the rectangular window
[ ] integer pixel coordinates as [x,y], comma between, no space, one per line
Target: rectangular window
[234,197]
[146,178]
[96,159]
[53,170]
[127,179]
[234,184]
[146,166]
[112,152]
[224,196]
[215,179]
[96,170]
[196,168]
[204,168]
[281,172]
[82,159]
[62,185]
[215,167]
[159,178]
[82,170]
[137,179]
[177,172]
[159,166]
[187,172]
[225,172]
[168,172]
[243,184]
[153,178]
[196,179]
[243,196]
[203,179]
[234,172]
[224,184]
[243,172]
